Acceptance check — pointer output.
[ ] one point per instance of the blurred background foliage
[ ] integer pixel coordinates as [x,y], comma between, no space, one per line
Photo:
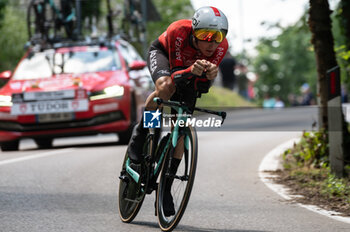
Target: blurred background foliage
[285,62]
[13,33]
[170,11]
[282,63]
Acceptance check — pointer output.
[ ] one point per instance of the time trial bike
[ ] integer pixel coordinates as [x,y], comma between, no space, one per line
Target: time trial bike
[134,185]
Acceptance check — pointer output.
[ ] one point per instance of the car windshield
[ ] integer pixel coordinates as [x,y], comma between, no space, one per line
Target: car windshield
[48,63]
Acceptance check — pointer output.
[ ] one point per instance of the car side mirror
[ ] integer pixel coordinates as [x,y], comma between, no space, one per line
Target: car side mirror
[137,65]
[5,75]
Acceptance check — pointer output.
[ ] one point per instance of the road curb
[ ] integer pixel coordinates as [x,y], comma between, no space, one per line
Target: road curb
[272,162]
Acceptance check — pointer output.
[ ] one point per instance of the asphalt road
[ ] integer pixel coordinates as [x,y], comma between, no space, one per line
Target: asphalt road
[73,187]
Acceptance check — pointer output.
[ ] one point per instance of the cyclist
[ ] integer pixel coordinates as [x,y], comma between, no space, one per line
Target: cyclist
[186,49]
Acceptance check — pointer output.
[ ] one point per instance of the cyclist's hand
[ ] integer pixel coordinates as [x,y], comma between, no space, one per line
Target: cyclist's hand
[199,67]
[212,71]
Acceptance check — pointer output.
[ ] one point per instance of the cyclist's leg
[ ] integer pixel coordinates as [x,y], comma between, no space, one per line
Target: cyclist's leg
[164,90]
[168,202]
[182,183]
[158,64]
[168,205]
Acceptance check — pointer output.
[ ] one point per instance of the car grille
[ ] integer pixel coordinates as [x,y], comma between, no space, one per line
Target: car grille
[100,119]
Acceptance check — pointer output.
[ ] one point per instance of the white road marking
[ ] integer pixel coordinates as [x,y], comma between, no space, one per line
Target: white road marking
[36,156]
[271,162]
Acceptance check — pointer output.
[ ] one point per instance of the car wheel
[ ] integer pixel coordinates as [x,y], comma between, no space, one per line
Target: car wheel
[10,146]
[43,143]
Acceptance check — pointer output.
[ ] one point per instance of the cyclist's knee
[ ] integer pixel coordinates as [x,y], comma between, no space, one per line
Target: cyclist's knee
[165,87]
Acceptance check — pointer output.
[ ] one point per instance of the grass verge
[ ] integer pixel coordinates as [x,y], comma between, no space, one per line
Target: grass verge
[220,97]
[317,186]
[307,173]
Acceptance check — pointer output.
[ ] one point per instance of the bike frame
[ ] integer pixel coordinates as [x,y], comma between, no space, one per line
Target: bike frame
[59,13]
[172,139]
[174,136]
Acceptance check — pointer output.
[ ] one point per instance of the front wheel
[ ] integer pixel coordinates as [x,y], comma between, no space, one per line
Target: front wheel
[182,181]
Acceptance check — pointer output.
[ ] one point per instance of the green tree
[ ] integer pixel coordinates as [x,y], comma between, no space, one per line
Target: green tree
[344,17]
[170,11]
[322,40]
[12,40]
[3,4]
[341,32]
[285,62]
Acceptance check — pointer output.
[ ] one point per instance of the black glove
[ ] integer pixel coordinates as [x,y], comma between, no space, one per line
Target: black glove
[202,84]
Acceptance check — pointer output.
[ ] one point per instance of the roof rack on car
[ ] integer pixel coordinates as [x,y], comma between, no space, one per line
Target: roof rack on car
[100,41]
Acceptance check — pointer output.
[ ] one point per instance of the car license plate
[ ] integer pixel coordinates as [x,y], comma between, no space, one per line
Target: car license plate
[59,117]
[49,107]
[54,95]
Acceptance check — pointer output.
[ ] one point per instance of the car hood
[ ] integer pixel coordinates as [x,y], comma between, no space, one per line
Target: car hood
[88,81]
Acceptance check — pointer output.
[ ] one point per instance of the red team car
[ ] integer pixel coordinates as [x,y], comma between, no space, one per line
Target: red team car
[73,90]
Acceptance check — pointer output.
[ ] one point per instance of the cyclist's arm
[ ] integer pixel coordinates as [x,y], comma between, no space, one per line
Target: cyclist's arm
[210,68]
[181,73]
[202,83]
[197,69]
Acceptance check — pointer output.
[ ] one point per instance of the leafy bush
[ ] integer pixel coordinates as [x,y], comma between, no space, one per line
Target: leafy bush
[307,164]
[320,185]
[334,186]
[13,38]
[310,152]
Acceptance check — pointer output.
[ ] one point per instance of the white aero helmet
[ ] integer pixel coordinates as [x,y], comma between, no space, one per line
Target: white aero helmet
[209,24]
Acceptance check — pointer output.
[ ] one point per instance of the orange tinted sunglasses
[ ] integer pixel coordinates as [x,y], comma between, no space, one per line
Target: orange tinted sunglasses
[209,35]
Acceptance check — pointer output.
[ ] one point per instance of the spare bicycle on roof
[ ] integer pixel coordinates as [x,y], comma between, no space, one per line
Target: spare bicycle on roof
[53,21]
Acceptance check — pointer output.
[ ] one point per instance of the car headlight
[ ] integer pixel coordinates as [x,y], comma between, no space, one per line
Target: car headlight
[5,100]
[109,92]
